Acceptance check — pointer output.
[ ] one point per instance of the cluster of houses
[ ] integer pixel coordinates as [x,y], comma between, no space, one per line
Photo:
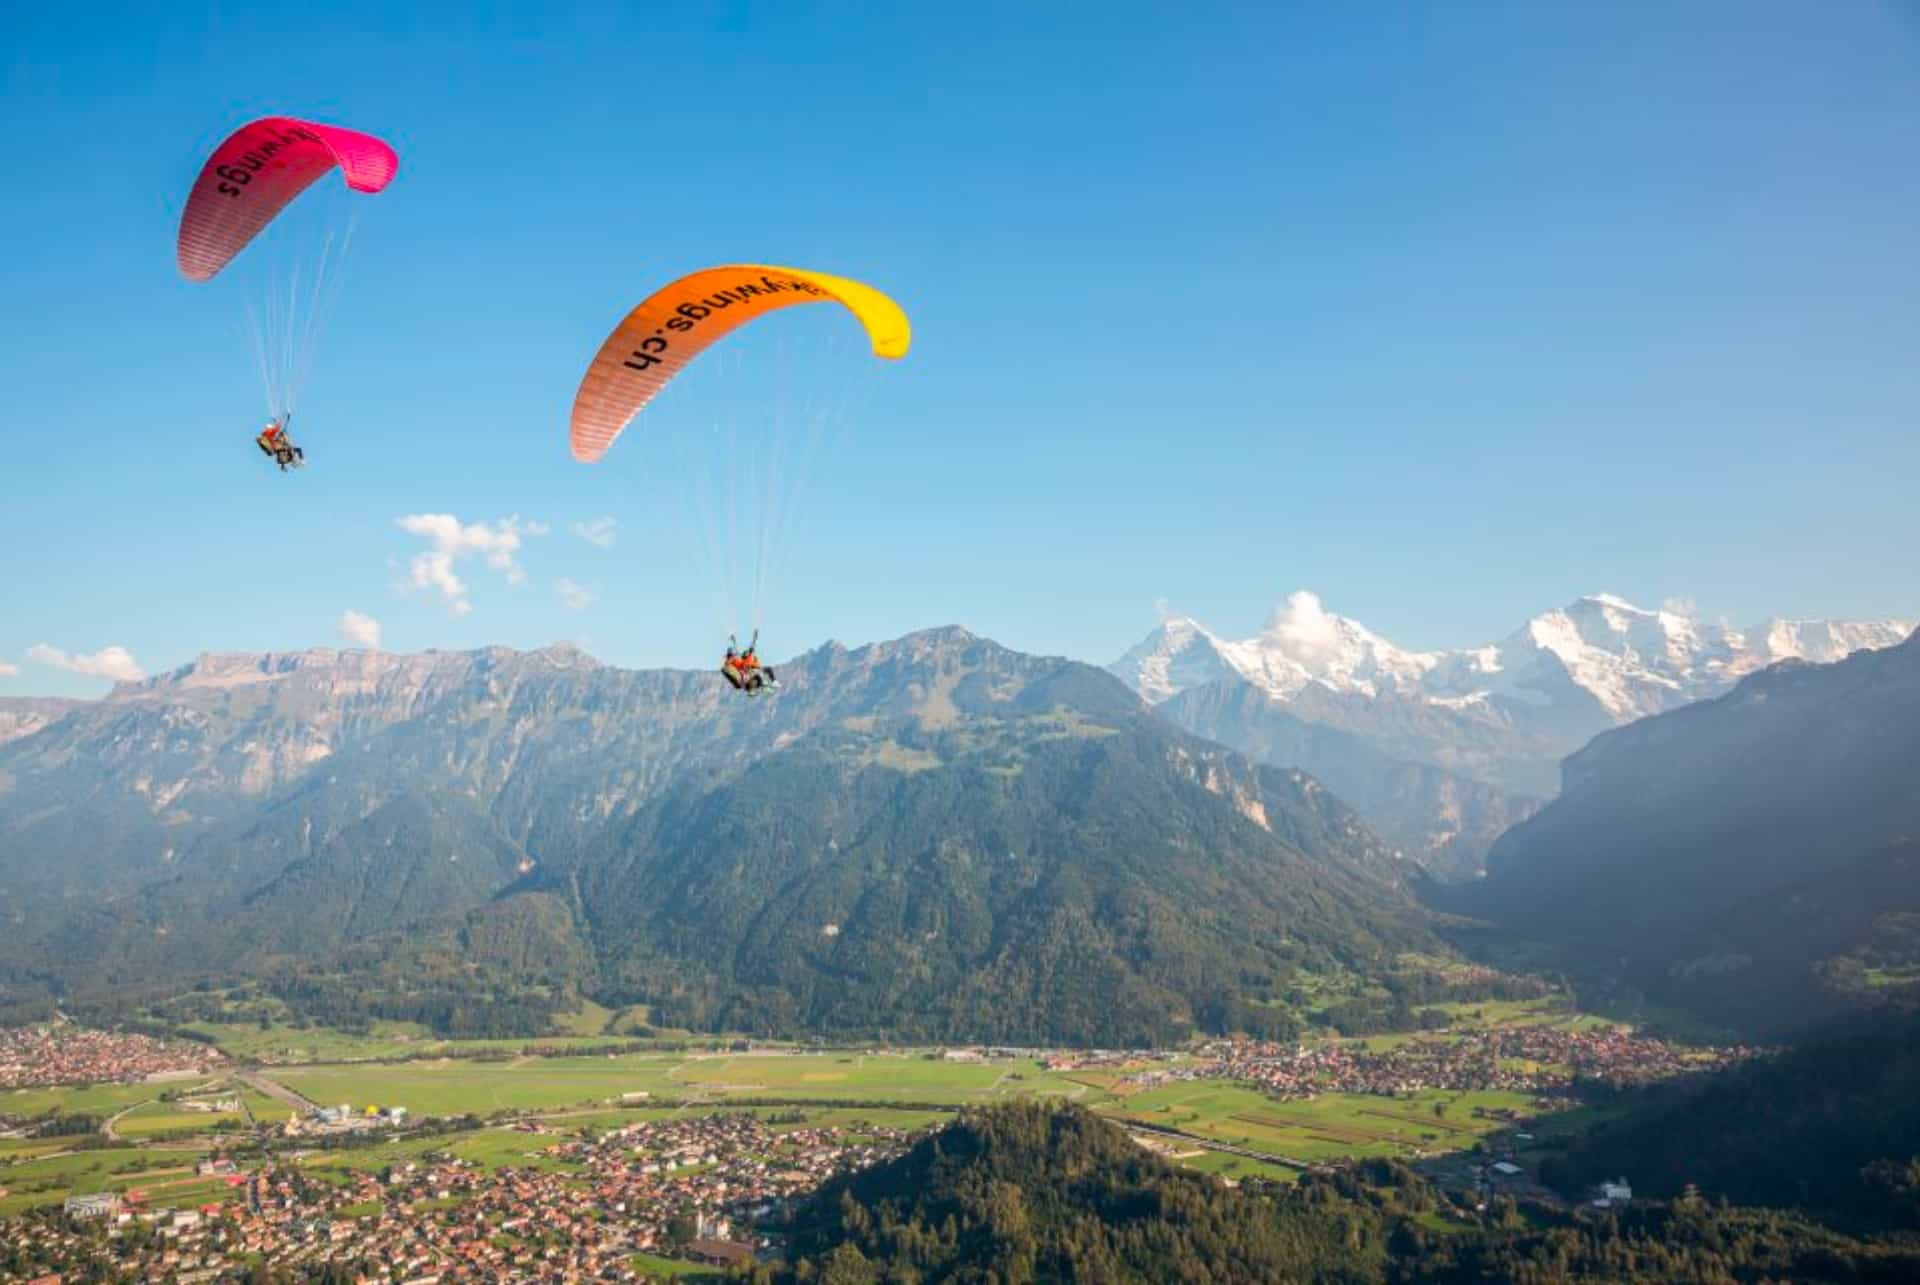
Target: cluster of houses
[61,1053]
[578,1209]
[723,1171]
[1522,1059]
[584,1205]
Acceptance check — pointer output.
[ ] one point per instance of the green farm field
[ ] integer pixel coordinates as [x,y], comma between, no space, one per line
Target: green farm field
[1236,1167]
[282,1043]
[571,1093]
[675,1269]
[168,1117]
[1329,1127]
[491,1148]
[387,1041]
[166,1176]
[94,1099]
[849,1075]
[451,1087]
[12,1149]
[288,1044]
[455,1087]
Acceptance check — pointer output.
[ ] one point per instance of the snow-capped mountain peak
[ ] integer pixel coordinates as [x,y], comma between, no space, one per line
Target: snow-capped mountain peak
[1824,641]
[1301,644]
[1304,643]
[1450,747]
[1599,659]
[1179,655]
[1629,660]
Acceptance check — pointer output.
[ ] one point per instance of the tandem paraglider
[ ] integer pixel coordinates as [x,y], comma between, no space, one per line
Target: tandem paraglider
[744,670]
[759,477]
[251,177]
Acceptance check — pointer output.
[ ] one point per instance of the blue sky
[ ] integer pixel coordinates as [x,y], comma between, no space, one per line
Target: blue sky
[1448,312]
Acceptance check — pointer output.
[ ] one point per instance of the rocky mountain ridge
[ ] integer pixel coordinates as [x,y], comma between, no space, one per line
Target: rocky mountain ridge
[980,829]
[1600,651]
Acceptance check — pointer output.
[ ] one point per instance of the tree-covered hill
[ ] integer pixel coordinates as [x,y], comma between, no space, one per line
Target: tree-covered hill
[934,837]
[1832,1125]
[1018,879]
[1026,1194]
[1031,1193]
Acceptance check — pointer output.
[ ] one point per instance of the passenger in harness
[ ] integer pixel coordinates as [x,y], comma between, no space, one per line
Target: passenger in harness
[744,670]
[274,442]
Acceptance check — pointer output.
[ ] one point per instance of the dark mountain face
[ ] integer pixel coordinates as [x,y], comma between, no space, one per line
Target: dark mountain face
[1444,822]
[1739,852]
[933,834]
[1831,1125]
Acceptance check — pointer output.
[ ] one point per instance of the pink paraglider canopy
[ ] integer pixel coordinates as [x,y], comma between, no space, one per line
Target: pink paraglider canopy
[261,167]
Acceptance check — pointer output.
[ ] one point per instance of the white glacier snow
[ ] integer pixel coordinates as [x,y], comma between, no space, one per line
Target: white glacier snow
[1599,655]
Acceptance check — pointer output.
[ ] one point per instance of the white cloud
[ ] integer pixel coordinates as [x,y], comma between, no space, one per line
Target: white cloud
[1304,625]
[599,532]
[109,662]
[575,597]
[358,627]
[1682,606]
[495,543]
[435,571]
[9,671]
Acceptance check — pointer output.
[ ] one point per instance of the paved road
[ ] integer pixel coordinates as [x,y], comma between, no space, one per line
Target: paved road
[107,1130]
[273,1089]
[1207,1144]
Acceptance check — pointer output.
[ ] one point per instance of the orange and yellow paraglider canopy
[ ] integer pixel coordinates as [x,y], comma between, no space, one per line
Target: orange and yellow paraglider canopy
[676,324]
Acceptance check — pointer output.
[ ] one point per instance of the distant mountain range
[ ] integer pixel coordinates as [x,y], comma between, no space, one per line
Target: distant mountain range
[25,715]
[933,837]
[941,838]
[1444,749]
[1599,656]
[1754,858]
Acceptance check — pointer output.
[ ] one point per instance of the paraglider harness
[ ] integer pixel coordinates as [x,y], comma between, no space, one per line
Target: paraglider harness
[274,442]
[743,668]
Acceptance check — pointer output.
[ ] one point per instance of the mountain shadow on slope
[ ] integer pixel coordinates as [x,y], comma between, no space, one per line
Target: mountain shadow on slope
[1831,1126]
[1747,858]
